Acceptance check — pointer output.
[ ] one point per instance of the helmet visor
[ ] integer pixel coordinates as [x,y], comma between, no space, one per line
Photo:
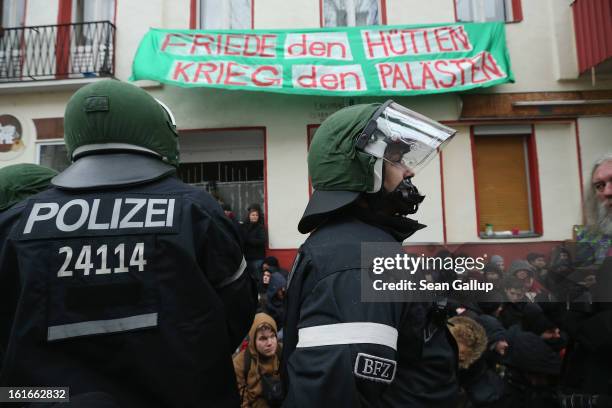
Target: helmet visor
[399,135]
[171,119]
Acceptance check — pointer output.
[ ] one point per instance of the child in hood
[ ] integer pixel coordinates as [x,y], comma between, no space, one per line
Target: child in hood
[257,367]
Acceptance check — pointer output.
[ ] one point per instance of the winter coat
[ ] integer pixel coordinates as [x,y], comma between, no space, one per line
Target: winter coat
[589,357]
[512,313]
[251,389]
[333,340]
[528,353]
[254,235]
[145,307]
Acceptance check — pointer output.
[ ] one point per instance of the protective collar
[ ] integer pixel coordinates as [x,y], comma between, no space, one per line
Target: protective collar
[322,205]
[99,171]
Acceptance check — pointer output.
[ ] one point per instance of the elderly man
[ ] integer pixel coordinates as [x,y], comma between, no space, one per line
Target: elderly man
[589,363]
[595,240]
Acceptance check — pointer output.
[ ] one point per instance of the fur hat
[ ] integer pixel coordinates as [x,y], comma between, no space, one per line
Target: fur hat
[471,335]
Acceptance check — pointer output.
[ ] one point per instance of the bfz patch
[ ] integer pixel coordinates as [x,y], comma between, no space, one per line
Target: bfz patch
[375,368]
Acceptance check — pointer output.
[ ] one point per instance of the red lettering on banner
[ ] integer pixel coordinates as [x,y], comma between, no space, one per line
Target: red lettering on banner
[476,69]
[458,34]
[428,76]
[316,48]
[491,67]
[265,46]
[371,44]
[222,71]
[384,70]
[415,49]
[179,69]
[204,68]
[458,63]
[343,77]
[233,72]
[167,41]
[409,72]
[229,46]
[399,76]
[404,48]
[415,41]
[440,38]
[205,44]
[331,46]
[312,78]
[273,70]
[301,46]
[434,74]
[246,52]
[329,81]
[426,40]
[449,73]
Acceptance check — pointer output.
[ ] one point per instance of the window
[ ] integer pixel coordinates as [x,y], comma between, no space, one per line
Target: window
[225,14]
[93,10]
[12,13]
[341,13]
[488,10]
[221,171]
[87,11]
[53,155]
[506,181]
[11,54]
[228,163]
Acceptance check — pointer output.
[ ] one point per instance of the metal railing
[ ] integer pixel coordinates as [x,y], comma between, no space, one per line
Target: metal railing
[63,51]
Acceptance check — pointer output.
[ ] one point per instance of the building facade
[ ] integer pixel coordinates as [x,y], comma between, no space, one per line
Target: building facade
[514,173]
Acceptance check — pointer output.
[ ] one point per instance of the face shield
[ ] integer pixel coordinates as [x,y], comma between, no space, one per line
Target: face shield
[171,120]
[403,137]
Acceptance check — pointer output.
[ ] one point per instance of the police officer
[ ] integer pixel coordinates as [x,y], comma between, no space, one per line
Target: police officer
[19,181]
[339,350]
[125,281]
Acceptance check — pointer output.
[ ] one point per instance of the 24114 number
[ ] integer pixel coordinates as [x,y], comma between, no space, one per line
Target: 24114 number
[84,260]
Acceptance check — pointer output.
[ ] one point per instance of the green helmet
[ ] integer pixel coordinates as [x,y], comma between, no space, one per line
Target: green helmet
[338,171]
[334,162]
[110,115]
[348,150]
[19,181]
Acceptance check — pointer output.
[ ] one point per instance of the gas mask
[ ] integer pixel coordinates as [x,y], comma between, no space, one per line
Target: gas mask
[407,141]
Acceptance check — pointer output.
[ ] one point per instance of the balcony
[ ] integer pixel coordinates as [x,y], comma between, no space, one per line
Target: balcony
[56,53]
[593,27]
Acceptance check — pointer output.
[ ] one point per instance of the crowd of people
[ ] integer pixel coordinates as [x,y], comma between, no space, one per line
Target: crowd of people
[519,345]
[133,289]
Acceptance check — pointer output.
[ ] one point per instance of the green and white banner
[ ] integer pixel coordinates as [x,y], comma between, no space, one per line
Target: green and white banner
[372,60]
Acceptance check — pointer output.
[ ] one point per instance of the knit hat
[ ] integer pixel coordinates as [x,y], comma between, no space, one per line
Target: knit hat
[520,265]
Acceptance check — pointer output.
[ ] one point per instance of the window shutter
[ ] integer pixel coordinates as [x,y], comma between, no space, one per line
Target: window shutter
[502,182]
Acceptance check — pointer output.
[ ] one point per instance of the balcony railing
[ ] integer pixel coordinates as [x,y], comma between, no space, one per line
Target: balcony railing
[51,52]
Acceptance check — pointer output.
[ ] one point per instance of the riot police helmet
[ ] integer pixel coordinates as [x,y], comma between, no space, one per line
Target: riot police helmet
[117,134]
[348,150]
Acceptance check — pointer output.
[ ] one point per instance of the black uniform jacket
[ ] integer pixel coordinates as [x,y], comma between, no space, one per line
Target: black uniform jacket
[137,292]
[339,350]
